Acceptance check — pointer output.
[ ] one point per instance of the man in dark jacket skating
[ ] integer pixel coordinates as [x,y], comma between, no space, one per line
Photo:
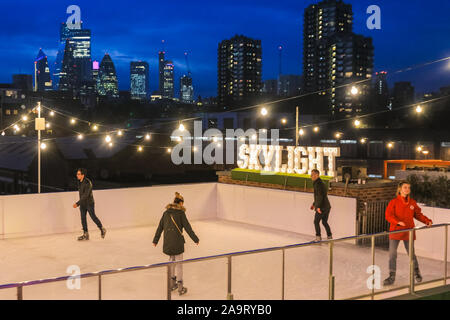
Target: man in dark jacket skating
[172,223]
[321,205]
[86,204]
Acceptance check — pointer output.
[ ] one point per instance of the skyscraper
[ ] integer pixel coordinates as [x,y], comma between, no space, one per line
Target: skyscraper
[161,62]
[351,61]
[95,69]
[239,70]
[168,81]
[69,76]
[186,89]
[139,80]
[79,41]
[380,92]
[334,58]
[322,21]
[107,79]
[42,78]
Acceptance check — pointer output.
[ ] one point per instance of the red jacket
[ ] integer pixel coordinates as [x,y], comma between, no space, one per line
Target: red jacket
[400,209]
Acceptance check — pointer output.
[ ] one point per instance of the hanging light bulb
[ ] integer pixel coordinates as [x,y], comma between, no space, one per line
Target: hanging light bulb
[52,114]
[419,109]
[316,129]
[338,135]
[181,127]
[108,138]
[72,121]
[95,127]
[140,149]
[3,133]
[110,144]
[354,91]
[169,150]
[264,112]
[390,145]
[80,137]
[47,125]
[363,140]
[301,132]
[24,118]
[419,149]
[120,133]
[283,121]
[357,123]
[43,146]
[147,137]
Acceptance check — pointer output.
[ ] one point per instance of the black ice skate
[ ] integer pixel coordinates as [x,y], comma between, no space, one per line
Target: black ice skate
[390,280]
[103,231]
[181,290]
[418,276]
[84,237]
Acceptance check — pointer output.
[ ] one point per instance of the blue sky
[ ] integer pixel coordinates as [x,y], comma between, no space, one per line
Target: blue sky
[413,32]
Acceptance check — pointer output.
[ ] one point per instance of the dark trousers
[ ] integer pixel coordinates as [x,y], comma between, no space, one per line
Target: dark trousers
[91,210]
[324,218]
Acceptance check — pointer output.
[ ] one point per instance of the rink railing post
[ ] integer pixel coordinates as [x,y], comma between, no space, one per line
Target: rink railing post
[229,294]
[19,293]
[169,294]
[331,277]
[445,254]
[282,274]
[411,262]
[99,287]
[373,267]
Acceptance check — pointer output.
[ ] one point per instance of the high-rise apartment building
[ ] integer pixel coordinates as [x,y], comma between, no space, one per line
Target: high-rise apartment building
[239,71]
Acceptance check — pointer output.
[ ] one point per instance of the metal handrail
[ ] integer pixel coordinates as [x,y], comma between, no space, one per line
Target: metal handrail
[99,274]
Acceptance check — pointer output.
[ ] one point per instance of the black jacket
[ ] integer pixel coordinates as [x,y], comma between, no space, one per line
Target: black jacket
[85,190]
[320,196]
[173,240]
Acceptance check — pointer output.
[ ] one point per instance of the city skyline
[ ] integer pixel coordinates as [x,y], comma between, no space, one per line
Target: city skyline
[284,21]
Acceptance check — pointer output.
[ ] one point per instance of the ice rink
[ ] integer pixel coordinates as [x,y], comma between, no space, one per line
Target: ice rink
[257,276]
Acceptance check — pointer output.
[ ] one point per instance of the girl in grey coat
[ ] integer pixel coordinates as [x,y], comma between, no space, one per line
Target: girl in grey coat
[173,222]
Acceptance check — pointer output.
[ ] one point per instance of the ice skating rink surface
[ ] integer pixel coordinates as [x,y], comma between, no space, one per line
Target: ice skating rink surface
[257,276]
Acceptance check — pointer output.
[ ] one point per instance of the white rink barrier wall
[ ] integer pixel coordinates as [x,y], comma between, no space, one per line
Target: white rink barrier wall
[52,213]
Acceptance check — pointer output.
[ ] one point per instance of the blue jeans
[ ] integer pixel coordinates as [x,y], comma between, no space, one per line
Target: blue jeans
[393,246]
[91,210]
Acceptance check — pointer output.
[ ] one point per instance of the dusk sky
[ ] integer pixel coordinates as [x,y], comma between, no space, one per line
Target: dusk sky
[413,32]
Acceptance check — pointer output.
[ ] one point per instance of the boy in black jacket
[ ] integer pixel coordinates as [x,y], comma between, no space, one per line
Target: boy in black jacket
[86,204]
[321,205]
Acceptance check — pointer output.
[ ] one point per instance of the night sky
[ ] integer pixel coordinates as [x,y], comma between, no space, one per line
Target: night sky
[413,32]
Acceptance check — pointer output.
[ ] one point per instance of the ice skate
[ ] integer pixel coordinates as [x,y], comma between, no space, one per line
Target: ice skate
[181,290]
[173,284]
[103,232]
[418,276]
[85,236]
[390,280]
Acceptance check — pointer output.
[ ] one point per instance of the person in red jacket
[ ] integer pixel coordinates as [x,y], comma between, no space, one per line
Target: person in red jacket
[401,213]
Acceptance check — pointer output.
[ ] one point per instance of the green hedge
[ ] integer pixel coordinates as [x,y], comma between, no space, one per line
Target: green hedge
[432,192]
[291,180]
